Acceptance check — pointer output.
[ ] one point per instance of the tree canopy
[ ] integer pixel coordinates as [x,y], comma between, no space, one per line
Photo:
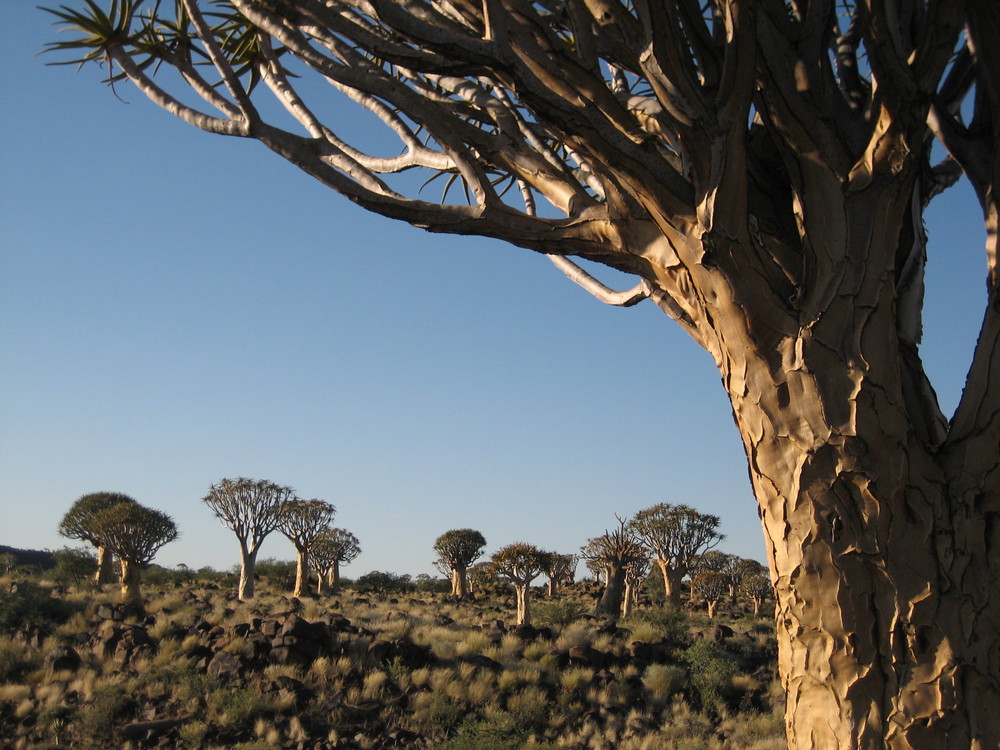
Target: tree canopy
[251,509]
[78,523]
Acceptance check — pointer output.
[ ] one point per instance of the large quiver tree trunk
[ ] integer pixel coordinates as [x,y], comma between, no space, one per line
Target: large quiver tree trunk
[881,523]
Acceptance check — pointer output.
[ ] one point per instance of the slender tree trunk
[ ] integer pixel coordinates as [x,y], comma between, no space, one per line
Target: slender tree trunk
[553,587]
[320,583]
[301,572]
[523,607]
[459,582]
[672,578]
[628,599]
[610,604]
[131,586]
[712,604]
[105,573]
[248,561]
[334,577]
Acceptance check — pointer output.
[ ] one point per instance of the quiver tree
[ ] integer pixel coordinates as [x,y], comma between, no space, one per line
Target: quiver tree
[134,534]
[757,588]
[721,562]
[251,509]
[480,576]
[636,574]
[457,550]
[711,586]
[558,569]
[330,549]
[520,564]
[302,521]
[761,168]
[78,524]
[676,536]
[615,551]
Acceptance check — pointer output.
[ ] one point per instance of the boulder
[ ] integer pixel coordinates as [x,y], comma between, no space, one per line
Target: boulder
[226,666]
[62,658]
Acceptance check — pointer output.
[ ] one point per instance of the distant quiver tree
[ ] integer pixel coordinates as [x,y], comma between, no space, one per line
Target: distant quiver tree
[251,509]
[559,569]
[302,521]
[330,549]
[520,564]
[616,552]
[676,536]
[134,533]
[457,550]
[78,523]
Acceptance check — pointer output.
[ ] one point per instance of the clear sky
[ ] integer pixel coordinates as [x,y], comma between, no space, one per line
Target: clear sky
[176,308]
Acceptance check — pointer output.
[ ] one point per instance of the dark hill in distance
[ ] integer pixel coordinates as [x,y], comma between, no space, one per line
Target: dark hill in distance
[38,558]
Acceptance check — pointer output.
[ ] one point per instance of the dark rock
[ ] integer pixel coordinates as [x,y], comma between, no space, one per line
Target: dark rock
[62,658]
[721,632]
[525,632]
[226,666]
[289,689]
[588,656]
[199,656]
[481,661]
[340,624]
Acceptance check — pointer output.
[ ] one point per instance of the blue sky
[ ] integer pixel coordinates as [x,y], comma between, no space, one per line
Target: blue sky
[176,308]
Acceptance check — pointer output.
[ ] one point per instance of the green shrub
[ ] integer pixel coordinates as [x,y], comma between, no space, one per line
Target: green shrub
[559,613]
[499,733]
[712,670]
[664,680]
[16,660]
[278,573]
[383,584]
[667,622]
[96,721]
[435,714]
[74,565]
[32,605]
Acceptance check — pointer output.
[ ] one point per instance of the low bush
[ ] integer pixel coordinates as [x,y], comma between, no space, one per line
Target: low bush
[30,605]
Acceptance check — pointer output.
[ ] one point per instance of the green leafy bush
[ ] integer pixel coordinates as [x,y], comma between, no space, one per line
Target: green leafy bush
[96,721]
[383,584]
[669,623]
[30,605]
[16,660]
[74,565]
[558,613]
[712,670]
